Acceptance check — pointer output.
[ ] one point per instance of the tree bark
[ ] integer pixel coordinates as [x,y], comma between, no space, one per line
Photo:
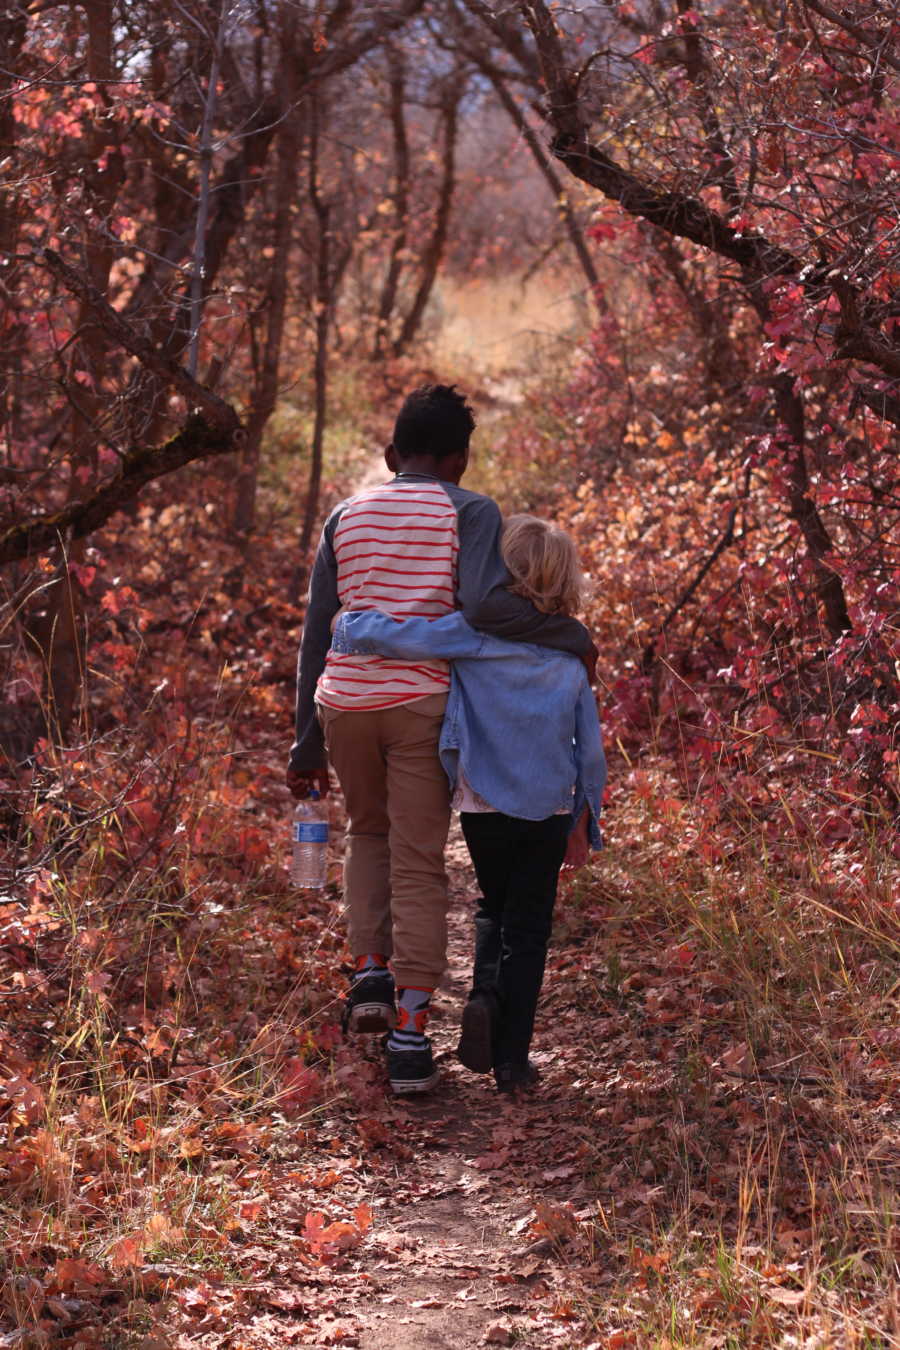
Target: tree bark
[265,395]
[434,250]
[803,510]
[323,307]
[218,412]
[391,285]
[197,440]
[63,656]
[215,433]
[13,30]
[682,215]
[198,269]
[554,182]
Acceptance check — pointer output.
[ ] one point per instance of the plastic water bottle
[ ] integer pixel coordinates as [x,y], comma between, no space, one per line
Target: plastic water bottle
[309,833]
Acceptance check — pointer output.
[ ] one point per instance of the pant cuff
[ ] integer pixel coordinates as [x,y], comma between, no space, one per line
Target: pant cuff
[417,978]
[362,946]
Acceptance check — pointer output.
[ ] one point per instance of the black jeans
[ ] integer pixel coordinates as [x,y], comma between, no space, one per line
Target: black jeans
[517,864]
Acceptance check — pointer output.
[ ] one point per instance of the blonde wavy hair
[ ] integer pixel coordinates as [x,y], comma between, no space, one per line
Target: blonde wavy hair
[544,565]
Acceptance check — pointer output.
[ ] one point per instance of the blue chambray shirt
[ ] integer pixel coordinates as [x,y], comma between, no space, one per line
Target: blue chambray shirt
[521,720]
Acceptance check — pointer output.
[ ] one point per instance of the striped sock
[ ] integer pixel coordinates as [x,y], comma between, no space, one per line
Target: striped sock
[413,1007]
[372,963]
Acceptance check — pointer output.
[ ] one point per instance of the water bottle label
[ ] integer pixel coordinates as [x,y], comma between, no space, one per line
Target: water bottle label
[313,832]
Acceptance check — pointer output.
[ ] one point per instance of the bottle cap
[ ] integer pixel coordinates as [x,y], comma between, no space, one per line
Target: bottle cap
[314,794]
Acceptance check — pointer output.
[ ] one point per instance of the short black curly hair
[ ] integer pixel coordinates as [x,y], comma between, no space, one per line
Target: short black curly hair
[435,420]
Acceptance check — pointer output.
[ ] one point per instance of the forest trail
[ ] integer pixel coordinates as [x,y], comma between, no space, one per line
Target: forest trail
[452,1260]
[469,1270]
[461,1249]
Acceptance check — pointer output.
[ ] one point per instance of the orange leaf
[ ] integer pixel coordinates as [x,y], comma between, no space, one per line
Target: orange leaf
[70,1273]
[128,1251]
[362,1217]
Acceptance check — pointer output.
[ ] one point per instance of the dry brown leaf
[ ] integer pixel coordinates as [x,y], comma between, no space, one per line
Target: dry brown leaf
[789,1298]
[127,1252]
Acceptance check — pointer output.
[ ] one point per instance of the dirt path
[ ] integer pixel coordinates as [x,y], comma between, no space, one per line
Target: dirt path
[461,1251]
[451,1261]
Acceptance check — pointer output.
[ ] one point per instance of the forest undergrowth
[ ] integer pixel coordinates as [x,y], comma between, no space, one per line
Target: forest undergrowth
[189,1150]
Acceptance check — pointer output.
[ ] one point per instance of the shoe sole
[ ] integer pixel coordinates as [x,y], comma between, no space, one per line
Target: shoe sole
[373,1017]
[475,1050]
[406,1086]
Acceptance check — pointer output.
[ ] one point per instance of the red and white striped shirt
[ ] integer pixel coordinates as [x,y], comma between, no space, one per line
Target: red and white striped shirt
[396,548]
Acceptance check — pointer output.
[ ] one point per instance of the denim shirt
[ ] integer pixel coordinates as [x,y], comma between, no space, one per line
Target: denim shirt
[521,721]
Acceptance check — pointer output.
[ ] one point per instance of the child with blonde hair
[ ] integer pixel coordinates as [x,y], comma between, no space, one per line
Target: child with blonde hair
[521,746]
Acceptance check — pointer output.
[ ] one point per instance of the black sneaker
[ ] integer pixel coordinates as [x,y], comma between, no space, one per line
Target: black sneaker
[412,1070]
[513,1078]
[476,1041]
[369,1005]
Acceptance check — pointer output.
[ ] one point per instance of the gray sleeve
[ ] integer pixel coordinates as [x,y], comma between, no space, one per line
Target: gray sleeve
[482,588]
[308,750]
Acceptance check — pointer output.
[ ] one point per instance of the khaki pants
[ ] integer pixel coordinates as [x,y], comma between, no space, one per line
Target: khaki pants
[398,804]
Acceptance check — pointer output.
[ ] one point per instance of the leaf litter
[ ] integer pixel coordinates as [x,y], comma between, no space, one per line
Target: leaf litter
[191,1156]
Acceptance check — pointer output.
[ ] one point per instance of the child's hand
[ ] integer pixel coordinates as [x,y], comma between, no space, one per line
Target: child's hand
[577,849]
[300,785]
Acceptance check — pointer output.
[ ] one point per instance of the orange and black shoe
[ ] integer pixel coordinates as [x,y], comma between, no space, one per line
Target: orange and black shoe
[410,1063]
[412,1070]
[369,1006]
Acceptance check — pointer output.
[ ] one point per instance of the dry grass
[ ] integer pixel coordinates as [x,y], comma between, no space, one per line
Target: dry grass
[743,1109]
[502,330]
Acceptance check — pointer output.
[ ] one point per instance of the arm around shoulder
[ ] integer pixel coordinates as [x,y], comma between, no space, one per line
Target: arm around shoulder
[483,593]
[447,638]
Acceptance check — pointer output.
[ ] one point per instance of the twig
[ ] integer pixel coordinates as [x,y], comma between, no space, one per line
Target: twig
[196,440]
[217,412]
[198,270]
[878,42]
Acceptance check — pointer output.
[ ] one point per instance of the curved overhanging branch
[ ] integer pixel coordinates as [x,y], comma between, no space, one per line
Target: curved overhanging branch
[675,212]
[196,440]
[213,428]
[687,217]
[216,411]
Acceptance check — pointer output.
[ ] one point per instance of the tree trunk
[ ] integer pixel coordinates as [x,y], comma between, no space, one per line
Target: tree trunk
[63,654]
[401,205]
[324,301]
[434,251]
[13,30]
[198,269]
[57,631]
[554,182]
[803,509]
[265,395]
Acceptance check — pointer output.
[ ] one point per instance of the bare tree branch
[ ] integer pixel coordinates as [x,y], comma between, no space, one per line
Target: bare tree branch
[196,440]
[878,42]
[218,413]
[682,215]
